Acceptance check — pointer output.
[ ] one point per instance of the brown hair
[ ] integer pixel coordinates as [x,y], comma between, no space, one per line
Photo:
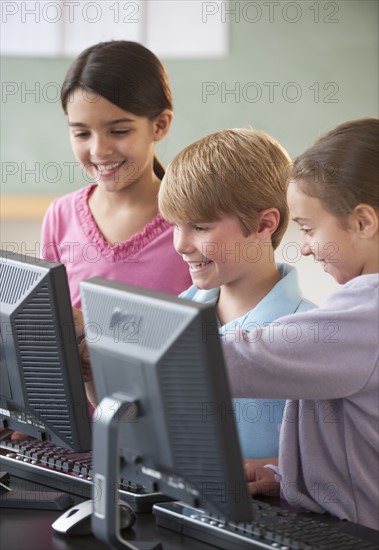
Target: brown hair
[125,73]
[237,171]
[342,167]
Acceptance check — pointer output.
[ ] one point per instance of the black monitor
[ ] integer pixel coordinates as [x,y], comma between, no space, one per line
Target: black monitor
[42,389]
[165,414]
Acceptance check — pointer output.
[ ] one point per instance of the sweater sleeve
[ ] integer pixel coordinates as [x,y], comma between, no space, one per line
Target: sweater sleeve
[49,246]
[327,353]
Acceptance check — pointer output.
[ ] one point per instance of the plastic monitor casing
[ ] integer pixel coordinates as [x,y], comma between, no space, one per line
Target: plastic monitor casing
[42,389]
[165,413]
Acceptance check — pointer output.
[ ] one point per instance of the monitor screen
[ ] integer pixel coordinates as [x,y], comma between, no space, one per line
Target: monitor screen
[165,413]
[42,389]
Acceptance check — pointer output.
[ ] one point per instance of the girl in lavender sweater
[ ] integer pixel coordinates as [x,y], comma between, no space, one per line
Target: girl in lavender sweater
[325,361]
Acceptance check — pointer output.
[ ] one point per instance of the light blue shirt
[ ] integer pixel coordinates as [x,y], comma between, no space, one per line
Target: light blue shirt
[258,420]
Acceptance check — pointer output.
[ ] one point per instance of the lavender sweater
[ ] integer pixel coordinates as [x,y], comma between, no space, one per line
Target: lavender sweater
[325,363]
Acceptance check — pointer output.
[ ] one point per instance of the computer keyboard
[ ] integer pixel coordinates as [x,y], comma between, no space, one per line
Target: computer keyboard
[272,527]
[59,468]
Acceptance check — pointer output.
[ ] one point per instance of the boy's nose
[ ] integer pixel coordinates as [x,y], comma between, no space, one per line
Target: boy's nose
[182,244]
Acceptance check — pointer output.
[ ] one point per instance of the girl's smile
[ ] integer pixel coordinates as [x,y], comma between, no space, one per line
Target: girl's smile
[336,243]
[108,170]
[115,147]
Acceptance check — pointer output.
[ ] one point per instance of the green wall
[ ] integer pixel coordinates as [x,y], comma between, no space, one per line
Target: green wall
[290,79]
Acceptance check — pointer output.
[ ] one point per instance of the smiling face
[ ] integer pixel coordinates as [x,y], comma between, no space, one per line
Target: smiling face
[218,253]
[114,146]
[334,242]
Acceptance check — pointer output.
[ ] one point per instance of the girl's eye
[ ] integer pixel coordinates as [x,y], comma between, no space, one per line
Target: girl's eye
[200,228]
[304,230]
[81,134]
[120,132]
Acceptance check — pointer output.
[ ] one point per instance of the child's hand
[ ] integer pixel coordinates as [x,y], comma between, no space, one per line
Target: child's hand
[87,373]
[85,360]
[14,436]
[260,480]
[78,322]
[82,344]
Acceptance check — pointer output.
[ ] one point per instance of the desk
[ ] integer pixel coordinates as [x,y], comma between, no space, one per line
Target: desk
[24,529]
[31,530]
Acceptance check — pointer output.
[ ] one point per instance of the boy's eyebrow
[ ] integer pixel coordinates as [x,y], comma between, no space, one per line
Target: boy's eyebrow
[116,121]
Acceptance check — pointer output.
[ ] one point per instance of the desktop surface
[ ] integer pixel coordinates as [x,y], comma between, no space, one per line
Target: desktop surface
[31,529]
[22,529]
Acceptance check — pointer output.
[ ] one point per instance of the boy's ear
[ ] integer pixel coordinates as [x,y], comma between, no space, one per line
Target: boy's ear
[268,221]
[365,219]
[162,124]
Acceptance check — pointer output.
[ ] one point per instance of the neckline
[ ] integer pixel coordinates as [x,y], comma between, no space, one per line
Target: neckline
[94,236]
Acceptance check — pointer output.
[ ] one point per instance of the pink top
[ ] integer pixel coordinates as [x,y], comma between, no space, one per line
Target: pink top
[70,236]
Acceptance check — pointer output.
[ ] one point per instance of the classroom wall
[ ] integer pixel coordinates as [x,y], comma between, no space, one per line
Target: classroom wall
[294,70]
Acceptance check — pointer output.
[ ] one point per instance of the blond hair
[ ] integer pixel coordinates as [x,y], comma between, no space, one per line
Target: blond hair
[236,171]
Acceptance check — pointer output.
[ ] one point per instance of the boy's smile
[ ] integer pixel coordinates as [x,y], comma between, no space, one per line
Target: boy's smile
[197,266]
[217,253]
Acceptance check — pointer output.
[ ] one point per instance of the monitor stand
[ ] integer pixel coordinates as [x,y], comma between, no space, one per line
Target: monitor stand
[106,467]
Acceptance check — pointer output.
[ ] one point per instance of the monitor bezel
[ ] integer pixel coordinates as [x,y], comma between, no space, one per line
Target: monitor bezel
[75,431]
[109,419]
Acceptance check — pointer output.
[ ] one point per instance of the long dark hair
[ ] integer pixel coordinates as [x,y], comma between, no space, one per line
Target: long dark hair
[125,73]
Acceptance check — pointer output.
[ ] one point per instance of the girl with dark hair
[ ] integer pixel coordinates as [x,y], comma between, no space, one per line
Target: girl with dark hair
[118,103]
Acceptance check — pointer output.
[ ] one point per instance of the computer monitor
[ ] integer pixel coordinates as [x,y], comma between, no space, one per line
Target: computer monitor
[42,389]
[165,414]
